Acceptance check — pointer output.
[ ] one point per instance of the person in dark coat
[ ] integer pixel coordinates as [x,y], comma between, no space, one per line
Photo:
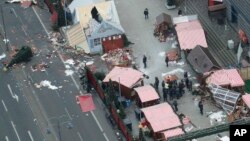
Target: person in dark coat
[144,60]
[146,13]
[190,85]
[165,94]
[201,107]
[175,105]
[187,82]
[185,74]
[167,60]
[163,83]
[180,89]
[171,94]
[156,83]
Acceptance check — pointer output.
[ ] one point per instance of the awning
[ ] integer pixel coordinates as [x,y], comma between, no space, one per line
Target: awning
[86,102]
[171,133]
[226,77]
[193,28]
[246,99]
[147,93]
[161,117]
[125,76]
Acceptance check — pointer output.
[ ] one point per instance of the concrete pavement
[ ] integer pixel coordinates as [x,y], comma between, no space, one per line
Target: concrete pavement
[140,32]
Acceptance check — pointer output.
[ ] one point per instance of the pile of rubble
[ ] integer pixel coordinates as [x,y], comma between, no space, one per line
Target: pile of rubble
[118,57]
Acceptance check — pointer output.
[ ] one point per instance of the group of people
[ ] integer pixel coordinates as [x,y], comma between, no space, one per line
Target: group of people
[174,89]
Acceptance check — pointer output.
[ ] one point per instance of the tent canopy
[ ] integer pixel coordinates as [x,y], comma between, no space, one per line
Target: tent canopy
[171,133]
[202,60]
[161,117]
[194,28]
[86,102]
[225,77]
[226,98]
[246,99]
[147,93]
[125,76]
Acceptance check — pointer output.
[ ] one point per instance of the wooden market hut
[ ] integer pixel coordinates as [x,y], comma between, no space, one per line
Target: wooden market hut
[186,26]
[127,78]
[160,118]
[162,25]
[202,60]
[146,96]
[227,78]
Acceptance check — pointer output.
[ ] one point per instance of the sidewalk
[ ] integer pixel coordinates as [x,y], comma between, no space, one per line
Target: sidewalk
[140,32]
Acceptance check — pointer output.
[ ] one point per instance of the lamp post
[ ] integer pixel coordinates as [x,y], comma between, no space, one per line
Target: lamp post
[6,41]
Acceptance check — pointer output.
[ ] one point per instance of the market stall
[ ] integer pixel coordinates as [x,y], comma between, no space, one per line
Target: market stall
[126,79]
[163,26]
[227,78]
[226,99]
[160,118]
[118,57]
[146,96]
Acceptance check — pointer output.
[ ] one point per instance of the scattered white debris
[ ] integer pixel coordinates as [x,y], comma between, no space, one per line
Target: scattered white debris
[67,66]
[196,84]
[173,72]
[90,63]
[162,54]
[69,72]
[70,61]
[46,83]
[188,129]
[217,117]
[225,138]
[2,56]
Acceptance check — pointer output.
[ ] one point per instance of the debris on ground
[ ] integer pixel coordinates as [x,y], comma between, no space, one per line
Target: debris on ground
[70,62]
[69,72]
[46,83]
[39,67]
[2,56]
[217,118]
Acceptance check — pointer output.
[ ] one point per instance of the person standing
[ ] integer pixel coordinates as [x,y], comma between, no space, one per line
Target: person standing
[190,85]
[144,60]
[156,83]
[201,107]
[175,105]
[185,74]
[187,82]
[165,94]
[146,13]
[167,60]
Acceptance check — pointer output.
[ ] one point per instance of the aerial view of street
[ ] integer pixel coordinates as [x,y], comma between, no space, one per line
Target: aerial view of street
[124,70]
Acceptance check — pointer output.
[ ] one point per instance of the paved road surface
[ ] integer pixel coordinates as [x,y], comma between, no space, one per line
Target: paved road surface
[55,110]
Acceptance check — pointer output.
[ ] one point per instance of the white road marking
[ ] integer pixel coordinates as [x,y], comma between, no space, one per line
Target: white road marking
[77,86]
[13,10]
[12,94]
[41,21]
[98,123]
[30,135]
[79,135]
[13,125]
[6,138]
[68,113]
[105,136]
[4,106]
